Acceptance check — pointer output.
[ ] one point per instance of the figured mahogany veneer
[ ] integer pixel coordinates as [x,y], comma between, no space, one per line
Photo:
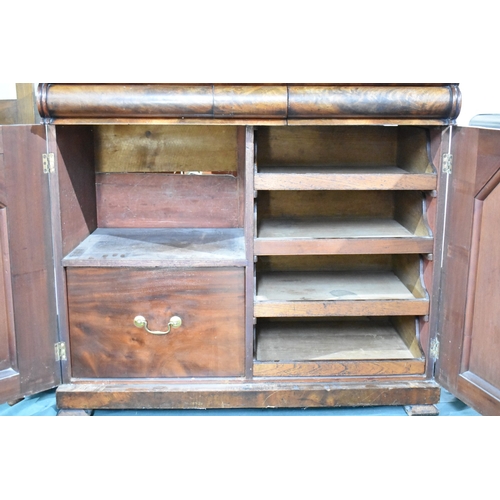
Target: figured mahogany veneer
[438,104]
[105,343]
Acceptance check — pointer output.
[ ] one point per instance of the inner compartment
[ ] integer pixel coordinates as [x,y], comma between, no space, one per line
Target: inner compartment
[370,149]
[280,276]
[339,285]
[137,187]
[341,214]
[348,338]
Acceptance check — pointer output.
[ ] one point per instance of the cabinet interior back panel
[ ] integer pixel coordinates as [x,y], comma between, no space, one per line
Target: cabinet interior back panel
[156,148]
[167,200]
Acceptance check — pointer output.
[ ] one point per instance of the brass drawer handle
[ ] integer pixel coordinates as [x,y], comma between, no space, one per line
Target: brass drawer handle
[140,322]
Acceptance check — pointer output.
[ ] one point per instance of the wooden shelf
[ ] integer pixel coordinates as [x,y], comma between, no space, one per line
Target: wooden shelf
[112,247]
[301,294]
[340,178]
[354,235]
[349,346]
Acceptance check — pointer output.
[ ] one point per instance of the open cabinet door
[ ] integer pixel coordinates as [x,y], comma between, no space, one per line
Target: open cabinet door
[28,316]
[469,358]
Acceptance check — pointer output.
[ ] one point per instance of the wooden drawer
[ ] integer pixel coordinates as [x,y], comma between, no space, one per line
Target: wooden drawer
[103,303]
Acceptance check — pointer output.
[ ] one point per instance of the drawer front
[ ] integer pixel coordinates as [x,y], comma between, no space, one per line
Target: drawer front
[103,303]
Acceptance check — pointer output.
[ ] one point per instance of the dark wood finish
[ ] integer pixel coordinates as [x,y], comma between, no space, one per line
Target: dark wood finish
[75,191]
[335,204]
[10,381]
[349,121]
[250,101]
[138,100]
[352,291]
[438,104]
[346,347]
[352,178]
[180,121]
[309,180]
[470,319]
[25,194]
[326,340]
[269,394]
[432,267]
[414,151]
[105,342]
[356,222]
[69,191]
[166,200]
[326,263]
[381,307]
[7,335]
[346,147]
[303,174]
[373,101]
[305,246]
[344,158]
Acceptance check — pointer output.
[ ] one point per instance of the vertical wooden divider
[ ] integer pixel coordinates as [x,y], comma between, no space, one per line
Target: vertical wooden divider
[246,144]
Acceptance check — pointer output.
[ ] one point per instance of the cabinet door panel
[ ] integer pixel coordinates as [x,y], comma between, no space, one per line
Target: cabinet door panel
[28,319]
[470,324]
[10,382]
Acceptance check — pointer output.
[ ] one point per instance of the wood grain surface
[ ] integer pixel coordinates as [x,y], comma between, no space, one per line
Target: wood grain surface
[26,191]
[349,178]
[105,343]
[154,148]
[268,394]
[467,363]
[127,247]
[344,339]
[208,101]
[164,200]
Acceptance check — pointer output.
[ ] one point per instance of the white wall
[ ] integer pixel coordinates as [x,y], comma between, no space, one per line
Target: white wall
[8,91]
[477,99]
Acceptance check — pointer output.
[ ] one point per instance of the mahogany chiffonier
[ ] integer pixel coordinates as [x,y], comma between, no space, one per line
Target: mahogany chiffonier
[250,246]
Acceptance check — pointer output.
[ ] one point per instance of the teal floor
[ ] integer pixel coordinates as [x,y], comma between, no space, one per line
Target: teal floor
[44,404]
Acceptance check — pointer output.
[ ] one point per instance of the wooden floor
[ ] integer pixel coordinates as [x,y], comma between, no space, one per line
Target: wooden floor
[44,404]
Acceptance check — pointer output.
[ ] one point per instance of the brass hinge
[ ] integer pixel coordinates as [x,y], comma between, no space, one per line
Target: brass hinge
[447,163]
[60,350]
[434,348]
[48,162]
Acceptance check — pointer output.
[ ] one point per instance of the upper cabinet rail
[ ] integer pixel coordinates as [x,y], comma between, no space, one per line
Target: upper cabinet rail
[273,104]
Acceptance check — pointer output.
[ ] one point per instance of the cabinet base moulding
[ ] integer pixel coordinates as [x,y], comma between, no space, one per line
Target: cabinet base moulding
[245,395]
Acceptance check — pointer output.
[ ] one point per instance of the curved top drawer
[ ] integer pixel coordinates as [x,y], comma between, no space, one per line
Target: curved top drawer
[294,104]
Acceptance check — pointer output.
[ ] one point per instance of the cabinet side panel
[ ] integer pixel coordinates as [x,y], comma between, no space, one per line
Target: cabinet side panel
[76,185]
